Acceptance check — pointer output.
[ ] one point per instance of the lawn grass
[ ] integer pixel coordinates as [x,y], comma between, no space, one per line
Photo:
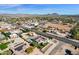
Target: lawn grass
[3,46]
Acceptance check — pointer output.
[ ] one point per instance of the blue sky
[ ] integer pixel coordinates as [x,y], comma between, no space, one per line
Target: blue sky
[39,8]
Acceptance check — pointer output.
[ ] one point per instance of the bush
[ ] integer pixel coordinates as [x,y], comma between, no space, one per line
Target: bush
[29,50]
[45,31]
[75,33]
[3,45]
[6,34]
[38,45]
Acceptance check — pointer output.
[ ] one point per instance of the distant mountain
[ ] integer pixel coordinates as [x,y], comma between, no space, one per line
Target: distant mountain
[16,15]
[34,15]
[26,15]
[53,14]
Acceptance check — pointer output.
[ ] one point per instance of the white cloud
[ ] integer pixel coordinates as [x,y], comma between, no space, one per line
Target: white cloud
[9,5]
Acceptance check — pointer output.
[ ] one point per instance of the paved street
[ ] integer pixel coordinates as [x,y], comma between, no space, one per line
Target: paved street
[66,40]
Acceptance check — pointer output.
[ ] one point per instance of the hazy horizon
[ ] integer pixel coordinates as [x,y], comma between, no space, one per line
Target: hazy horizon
[61,9]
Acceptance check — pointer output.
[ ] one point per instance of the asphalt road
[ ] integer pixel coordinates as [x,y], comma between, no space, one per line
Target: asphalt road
[66,40]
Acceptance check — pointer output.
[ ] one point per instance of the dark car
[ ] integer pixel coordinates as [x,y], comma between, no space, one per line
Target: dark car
[68,52]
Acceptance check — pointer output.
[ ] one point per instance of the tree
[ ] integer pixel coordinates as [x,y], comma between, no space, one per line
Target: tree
[75,32]
[45,30]
[6,34]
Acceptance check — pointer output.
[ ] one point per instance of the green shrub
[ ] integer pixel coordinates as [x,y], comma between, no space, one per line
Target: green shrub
[4,45]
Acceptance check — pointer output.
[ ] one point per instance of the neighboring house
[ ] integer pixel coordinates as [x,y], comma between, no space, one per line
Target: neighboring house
[16,31]
[40,39]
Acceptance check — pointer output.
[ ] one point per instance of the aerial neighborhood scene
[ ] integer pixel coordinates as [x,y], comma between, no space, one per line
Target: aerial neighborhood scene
[39,29]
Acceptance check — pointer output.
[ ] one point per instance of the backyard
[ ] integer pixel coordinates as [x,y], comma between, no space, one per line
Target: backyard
[38,45]
[4,45]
